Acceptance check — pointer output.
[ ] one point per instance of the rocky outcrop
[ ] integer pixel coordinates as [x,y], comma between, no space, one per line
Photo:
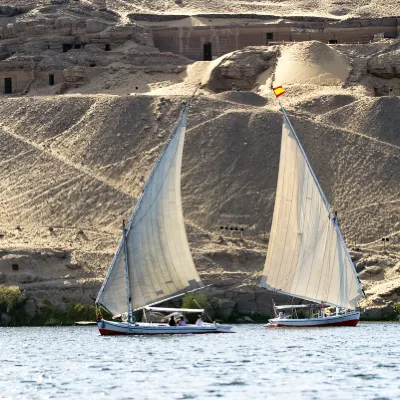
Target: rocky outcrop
[74,76]
[25,278]
[386,65]
[373,272]
[11,11]
[241,68]
[378,313]
[232,302]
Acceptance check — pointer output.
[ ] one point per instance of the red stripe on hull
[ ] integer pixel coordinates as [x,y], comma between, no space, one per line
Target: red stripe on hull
[353,322]
[110,332]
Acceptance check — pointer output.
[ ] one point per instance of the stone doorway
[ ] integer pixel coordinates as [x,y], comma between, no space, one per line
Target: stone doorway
[207,51]
[66,47]
[8,85]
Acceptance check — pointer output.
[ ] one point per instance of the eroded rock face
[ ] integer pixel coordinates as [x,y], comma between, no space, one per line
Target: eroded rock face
[73,266]
[25,278]
[241,68]
[360,266]
[10,11]
[397,267]
[385,65]
[378,312]
[369,272]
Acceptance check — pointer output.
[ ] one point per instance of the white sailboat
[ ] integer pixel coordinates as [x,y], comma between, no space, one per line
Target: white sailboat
[307,257]
[153,262]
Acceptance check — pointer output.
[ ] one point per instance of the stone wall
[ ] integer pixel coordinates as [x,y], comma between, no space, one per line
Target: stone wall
[34,37]
[19,80]
[190,41]
[23,74]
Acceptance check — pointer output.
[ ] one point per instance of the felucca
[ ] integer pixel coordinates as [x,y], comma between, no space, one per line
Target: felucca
[307,257]
[153,262]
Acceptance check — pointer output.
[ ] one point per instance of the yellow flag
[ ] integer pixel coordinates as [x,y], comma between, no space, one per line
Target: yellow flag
[279,91]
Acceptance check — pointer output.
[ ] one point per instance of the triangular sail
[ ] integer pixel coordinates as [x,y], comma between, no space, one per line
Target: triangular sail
[306,257]
[159,259]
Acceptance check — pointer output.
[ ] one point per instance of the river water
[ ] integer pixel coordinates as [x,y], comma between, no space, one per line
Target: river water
[254,363]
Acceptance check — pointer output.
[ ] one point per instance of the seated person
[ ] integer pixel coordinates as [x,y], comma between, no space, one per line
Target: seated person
[182,322]
[282,315]
[199,321]
[172,321]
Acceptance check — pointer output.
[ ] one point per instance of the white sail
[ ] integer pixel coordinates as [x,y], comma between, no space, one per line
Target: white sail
[159,259]
[306,257]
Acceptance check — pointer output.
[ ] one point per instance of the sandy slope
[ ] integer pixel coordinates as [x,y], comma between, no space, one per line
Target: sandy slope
[323,8]
[73,165]
[320,8]
[87,170]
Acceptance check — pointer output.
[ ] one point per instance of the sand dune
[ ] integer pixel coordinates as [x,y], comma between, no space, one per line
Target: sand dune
[375,117]
[313,63]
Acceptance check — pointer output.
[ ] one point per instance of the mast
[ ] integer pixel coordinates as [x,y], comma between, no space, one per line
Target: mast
[126,258]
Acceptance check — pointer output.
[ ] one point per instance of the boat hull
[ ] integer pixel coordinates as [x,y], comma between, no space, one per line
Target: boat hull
[349,319]
[123,328]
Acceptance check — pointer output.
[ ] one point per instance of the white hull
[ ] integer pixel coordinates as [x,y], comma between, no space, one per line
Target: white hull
[349,319]
[123,328]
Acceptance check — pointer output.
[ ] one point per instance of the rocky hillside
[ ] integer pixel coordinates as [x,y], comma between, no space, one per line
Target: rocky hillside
[69,179]
[75,155]
[321,8]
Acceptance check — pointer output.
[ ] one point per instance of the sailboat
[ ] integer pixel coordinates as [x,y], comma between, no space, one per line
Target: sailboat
[307,257]
[153,262]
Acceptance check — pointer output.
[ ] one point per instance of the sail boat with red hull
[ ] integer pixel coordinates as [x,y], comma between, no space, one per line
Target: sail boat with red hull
[153,262]
[307,257]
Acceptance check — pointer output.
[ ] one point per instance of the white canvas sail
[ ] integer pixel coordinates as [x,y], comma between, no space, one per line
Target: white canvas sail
[306,257]
[159,259]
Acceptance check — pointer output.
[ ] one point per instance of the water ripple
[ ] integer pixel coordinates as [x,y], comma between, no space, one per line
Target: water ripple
[38,363]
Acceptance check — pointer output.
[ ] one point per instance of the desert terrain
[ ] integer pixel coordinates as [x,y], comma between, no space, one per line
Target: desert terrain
[74,157]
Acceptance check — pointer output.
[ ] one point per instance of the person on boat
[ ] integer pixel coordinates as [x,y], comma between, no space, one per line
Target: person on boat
[199,321]
[182,322]
[282,315]
[172,321]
